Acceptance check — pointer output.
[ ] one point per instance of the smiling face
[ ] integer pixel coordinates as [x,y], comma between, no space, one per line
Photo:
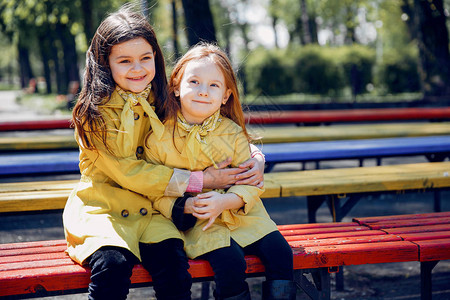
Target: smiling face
[202,90]
[132,64]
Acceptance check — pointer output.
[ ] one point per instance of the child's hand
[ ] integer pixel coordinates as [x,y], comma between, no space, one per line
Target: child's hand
[221,178]
[208,206]
[255,174]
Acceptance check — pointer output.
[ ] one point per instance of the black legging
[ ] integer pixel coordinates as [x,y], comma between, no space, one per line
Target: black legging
[165,261]
[229,264]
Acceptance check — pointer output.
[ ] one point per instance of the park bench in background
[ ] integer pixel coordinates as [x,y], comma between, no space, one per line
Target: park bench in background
[339,188]
[269,134]
[285,117]
[348,115]
[43,268]
[435,148]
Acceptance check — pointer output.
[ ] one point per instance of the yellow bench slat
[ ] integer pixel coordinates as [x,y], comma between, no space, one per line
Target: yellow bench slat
[270,134]
[358,180]
[287,134]
[29,196]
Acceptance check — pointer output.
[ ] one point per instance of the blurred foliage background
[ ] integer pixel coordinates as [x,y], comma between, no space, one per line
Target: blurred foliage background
[283,49]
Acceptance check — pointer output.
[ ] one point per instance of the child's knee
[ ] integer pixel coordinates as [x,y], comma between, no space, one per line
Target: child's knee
[112,260]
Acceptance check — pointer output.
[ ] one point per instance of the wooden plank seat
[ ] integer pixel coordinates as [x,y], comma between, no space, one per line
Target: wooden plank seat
[430,232]
[348,115]
[437,148]
[283,117]
[269,134]
[39,124]
[43,268]
[339,188]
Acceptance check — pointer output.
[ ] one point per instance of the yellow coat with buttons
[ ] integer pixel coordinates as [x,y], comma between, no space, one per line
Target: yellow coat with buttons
[245,225]
[110,205]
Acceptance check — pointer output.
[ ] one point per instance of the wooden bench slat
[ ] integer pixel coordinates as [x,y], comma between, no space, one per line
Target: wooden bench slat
[39,262]
[368,179]
[347,115]
[34,256]
[431,250]
[408,223]
[425,235]
[269,134]
[355,149]
[283,117]
[417,229]
[354,254]
[346,240]
[30,186]
[24,251]
[69,277]
[284,134]
[333,235]
[37,244]
[368,220]
[323,230]
[67,161]
[421,176]
[316,225]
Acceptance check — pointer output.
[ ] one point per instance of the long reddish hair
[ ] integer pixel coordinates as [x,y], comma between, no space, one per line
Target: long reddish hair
[232,109]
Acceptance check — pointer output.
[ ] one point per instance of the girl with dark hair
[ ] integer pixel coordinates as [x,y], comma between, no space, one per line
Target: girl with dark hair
[109,222]
[204,125]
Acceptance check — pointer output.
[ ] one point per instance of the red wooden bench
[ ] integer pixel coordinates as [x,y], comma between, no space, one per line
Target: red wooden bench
[284,117]
[43,268]
[348,115]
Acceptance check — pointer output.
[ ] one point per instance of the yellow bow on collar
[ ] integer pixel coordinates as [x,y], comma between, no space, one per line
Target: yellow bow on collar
[144,98]
[196,139]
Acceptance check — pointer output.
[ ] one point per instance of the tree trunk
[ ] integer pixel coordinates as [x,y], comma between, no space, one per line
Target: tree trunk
[70,53]
[350,37]
[199,21]
[24,63]
[176,49]
[433,43]
[275,34]
[86,7]
[44,47]
[313,29]
[305,23]
[58,68]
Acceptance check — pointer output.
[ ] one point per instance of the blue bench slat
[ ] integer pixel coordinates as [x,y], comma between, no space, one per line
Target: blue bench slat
[67,161]
[39,162]
[354,149]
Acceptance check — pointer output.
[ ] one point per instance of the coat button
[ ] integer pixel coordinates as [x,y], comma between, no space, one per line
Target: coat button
[143,211]
[125,213]
[140,150]
[136,116]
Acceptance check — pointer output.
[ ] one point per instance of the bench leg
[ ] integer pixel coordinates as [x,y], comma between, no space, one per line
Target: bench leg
[340,279]
[437,201]
[313,203]
[426,268]
[319,287]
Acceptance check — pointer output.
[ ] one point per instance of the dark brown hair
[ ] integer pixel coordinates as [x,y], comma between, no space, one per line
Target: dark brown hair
[232,109]
[98,83]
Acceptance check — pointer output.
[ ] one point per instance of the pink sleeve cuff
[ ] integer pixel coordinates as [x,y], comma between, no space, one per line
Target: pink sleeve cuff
[195,182]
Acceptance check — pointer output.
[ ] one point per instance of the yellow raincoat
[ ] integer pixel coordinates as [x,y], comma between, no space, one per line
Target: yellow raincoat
[245,225]
[110,205]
